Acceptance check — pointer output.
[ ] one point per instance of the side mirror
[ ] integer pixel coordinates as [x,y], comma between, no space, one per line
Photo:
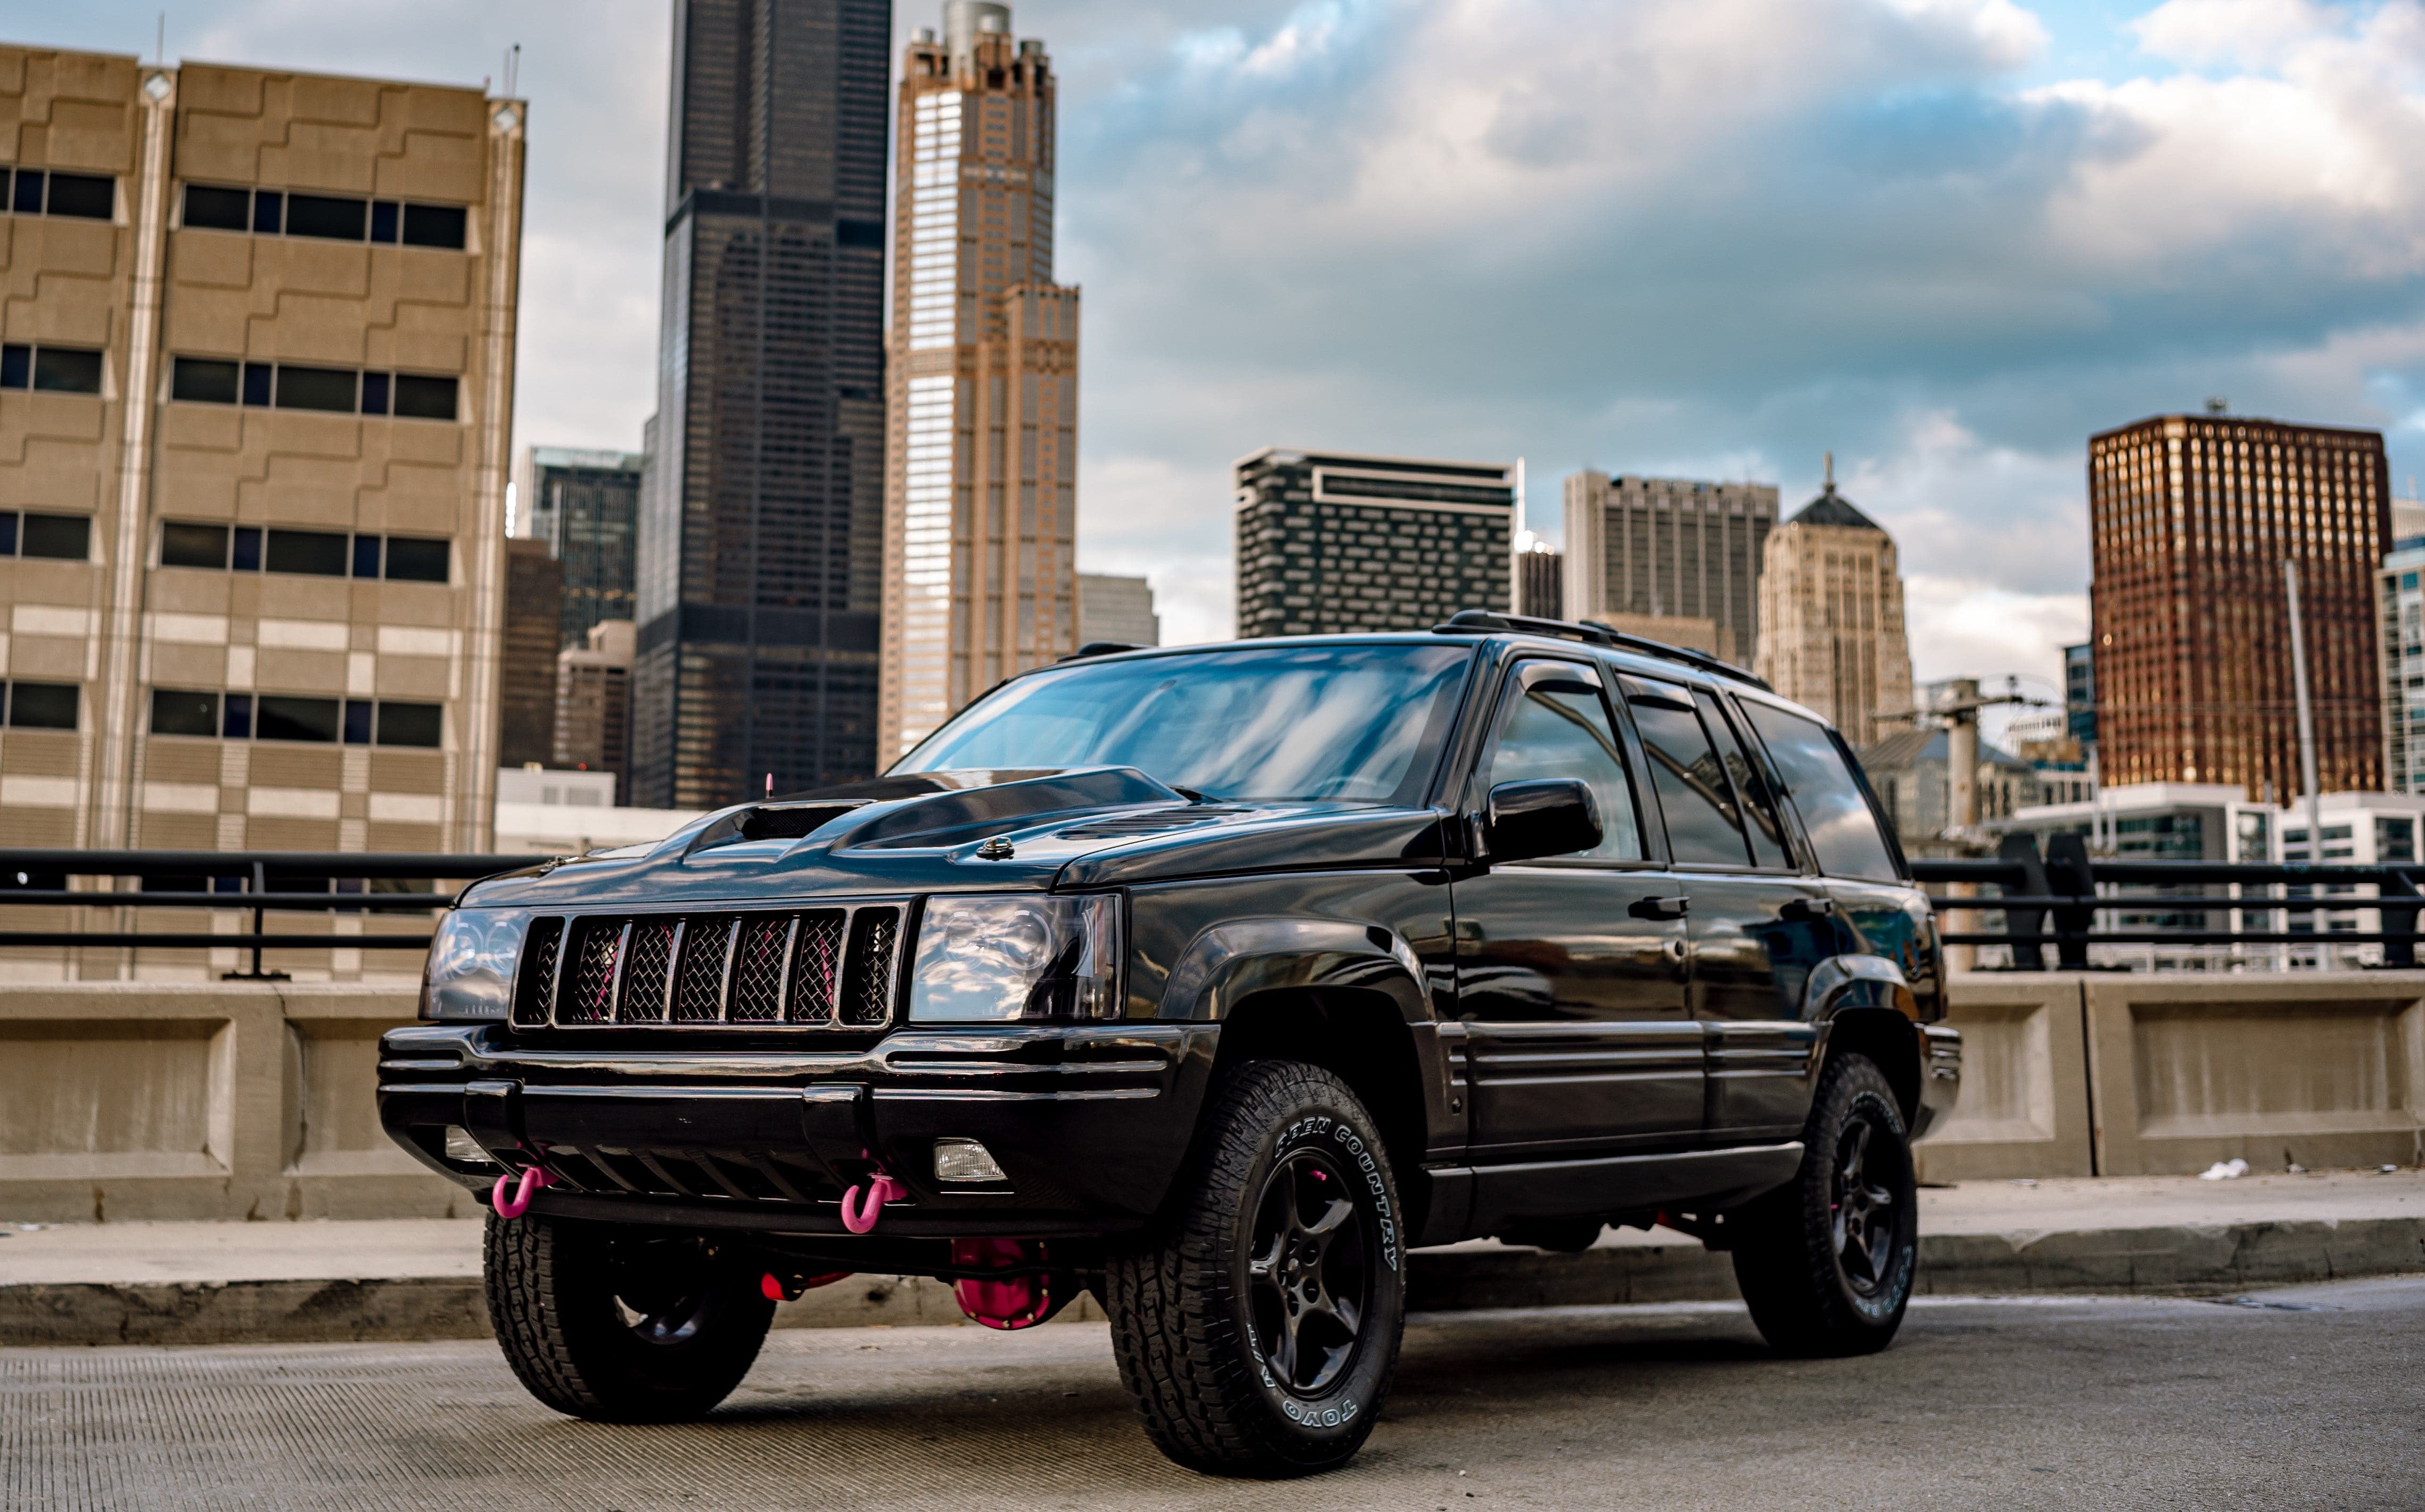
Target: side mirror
[1555,816]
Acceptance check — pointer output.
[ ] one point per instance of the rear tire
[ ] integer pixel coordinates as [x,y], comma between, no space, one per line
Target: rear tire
[622,1325]
[1258,1333]
[1827,1261]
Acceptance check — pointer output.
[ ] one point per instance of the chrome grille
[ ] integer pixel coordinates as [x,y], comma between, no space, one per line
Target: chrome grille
[867,981]
[758,974]
[589,992]
[644,975]
[698,983]
[817,968]
[535,993]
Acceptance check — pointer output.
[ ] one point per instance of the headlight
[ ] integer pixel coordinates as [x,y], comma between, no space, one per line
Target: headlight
[991,959]
[470,969]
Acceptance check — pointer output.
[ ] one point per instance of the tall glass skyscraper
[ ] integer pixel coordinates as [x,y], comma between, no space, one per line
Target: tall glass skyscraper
[761,533]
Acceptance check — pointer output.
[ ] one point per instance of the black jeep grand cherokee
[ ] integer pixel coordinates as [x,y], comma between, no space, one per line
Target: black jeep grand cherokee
[1212,980]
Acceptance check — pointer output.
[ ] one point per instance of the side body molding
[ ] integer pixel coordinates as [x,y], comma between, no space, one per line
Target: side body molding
[1237,958]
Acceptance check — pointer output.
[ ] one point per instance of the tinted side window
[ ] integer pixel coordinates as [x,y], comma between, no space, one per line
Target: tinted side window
[1559,728]
[1844,832]
[1769,846]
[1702,826]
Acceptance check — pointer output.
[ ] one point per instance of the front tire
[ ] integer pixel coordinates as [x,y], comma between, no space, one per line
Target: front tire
[1827,1261]
[1258,1334]
[621,1326]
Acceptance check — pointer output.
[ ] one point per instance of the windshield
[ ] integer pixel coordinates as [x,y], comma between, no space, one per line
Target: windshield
[1352,723]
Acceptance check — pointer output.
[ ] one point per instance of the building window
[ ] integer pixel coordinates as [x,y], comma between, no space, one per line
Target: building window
[42,706]
[288,716]
[343,217]
[178,713]
[32,191]
[49,369]
[310,553]
[295,386]
[59,538]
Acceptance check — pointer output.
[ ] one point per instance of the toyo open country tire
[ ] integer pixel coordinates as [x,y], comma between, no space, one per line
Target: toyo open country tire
[1257,1331]
[621,1326]
[1827,1261]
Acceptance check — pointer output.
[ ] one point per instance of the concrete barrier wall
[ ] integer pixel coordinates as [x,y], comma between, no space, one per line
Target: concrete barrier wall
[251,1100]
[2024,1109]
[221,1100]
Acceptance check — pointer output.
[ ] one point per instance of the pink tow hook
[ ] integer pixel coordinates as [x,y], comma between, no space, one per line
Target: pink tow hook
[858,1215]
[519,1203]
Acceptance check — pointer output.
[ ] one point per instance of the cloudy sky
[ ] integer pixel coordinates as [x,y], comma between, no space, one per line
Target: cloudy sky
[1946,238]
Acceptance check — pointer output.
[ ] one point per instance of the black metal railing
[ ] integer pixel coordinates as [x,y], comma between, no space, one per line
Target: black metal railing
[254,883]
[2056,900]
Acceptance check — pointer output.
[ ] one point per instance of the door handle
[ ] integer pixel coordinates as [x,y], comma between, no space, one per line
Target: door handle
[1659,908]
[1806,911]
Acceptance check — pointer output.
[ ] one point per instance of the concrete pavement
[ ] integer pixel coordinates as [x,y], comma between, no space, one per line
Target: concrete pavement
[419,1278]
[2289,1399]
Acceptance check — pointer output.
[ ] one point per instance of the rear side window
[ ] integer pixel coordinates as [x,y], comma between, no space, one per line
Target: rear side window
[1703,828]
[1769,846]
[1817,776]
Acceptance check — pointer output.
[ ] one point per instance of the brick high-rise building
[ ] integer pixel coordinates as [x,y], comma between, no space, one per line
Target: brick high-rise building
[1831,625]
[256,382]
[1674,559]
[2190,517]
[1329,542]
[760,551]
[980,488]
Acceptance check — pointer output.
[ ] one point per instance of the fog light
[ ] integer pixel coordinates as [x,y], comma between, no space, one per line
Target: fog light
[965,1160]
[463,1149]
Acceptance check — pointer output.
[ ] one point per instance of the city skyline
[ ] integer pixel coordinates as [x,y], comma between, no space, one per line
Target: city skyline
[1988,294]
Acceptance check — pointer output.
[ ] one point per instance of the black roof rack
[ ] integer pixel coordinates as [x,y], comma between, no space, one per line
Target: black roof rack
[1467,621]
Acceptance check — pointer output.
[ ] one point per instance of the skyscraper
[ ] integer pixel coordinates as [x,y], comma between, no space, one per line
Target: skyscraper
[584,505]
[1831,626]
[1674,559]
[981,490]
[1329,542]
[761,537]
[2190,517]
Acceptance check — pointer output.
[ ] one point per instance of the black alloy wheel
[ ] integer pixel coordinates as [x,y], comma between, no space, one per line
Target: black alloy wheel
[1257,1330]
[1310,1275]
[1826,1262]
[1865,1211]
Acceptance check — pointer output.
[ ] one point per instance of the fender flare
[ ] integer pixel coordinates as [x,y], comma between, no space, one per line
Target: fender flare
[1235,959]
[1856,981]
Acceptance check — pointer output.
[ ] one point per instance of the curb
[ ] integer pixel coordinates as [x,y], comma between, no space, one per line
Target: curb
[2178,1260]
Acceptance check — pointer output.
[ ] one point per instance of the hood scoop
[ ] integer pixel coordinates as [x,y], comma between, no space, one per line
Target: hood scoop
[946,819]
[769,821]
